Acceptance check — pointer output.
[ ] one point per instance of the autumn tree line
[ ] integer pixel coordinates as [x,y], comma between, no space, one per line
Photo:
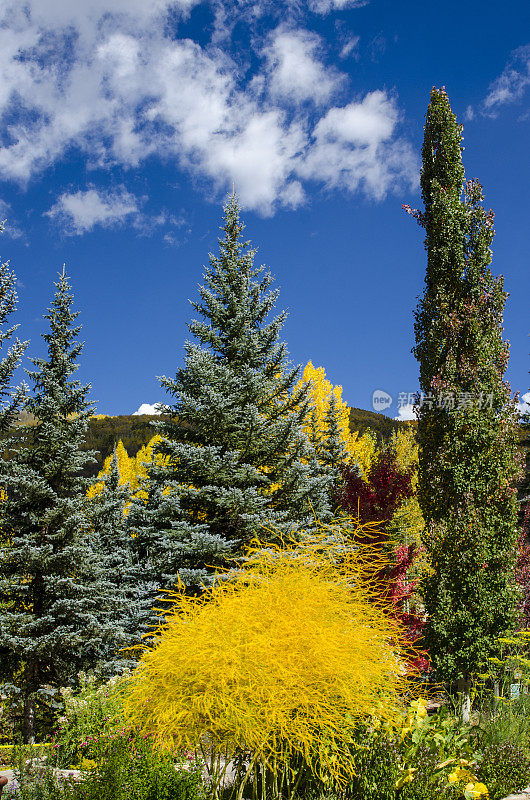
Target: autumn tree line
[245,446]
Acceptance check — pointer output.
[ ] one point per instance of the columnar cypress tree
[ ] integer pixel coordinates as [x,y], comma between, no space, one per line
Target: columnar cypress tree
[236,457]
[56,621]
[466,421]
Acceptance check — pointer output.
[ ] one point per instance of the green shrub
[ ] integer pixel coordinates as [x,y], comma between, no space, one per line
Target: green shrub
[34,778]
[504,768]
[129,769]
[377,766]
[91,715]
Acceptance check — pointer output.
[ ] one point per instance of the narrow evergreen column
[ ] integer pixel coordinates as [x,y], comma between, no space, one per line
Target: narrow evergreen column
[466,421]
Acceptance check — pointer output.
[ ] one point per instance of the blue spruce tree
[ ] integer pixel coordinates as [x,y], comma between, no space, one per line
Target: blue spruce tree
[114,548]
[233,456]
[59,615]
[11,398]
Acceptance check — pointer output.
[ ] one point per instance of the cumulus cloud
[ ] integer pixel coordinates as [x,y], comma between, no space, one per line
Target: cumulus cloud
[511,83]
[147,408]
[79,212]
[406,413]
[354,147]
[295,71]
[119,86]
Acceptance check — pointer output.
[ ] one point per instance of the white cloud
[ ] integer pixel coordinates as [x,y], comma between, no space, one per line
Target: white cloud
[119,86]
[147,408]
[511,83]
[354,148]
[406,413]
[10,228]
[524,406]
[350,47]
[81,211]
[295,71]
[325,6]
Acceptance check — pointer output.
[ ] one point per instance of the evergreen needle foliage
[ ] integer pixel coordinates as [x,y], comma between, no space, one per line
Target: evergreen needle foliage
[56,619]
[11,397]
[281,661]
[234,453]
[466,424]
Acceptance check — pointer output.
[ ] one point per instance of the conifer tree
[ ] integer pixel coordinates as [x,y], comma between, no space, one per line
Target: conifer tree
[114,547]
[10,397]
[333,452]
[58,617]
[236,457]
[466,419]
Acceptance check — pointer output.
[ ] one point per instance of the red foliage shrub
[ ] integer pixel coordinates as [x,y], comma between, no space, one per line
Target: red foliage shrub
[375,500]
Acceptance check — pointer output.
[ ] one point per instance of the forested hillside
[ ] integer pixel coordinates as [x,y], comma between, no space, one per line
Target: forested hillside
[135,431]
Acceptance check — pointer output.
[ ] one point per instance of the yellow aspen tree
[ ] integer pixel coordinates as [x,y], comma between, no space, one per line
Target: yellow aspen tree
[126,469]
[360,449]
[407,524]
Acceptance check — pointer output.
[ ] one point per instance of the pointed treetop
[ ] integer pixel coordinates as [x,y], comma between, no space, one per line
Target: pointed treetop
[442,149]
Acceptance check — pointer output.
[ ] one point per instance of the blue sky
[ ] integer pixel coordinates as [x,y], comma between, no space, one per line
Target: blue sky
[125,123]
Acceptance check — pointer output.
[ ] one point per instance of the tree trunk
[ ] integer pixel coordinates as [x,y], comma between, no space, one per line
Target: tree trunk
[464,693]
[32,684]
[29,719]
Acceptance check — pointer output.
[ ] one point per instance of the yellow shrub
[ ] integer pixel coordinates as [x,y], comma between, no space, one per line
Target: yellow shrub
[282,659]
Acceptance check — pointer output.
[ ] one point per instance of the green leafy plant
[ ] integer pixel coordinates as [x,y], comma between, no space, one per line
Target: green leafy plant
[91,717]
[132,769]
[129,768]
[505,768]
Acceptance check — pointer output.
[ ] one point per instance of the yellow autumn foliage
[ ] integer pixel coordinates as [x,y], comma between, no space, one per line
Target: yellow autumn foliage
[132,469]
[278,662]
[126,468]
[359,448]
[407,523]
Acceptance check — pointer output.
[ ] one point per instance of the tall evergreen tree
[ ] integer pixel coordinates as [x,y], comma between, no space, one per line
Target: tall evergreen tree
[57,619]
[235,455]
[466,420]
[10,397]
[333,452]
[114,547]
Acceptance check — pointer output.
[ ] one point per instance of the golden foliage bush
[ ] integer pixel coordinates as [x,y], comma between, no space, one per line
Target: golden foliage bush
[281,660]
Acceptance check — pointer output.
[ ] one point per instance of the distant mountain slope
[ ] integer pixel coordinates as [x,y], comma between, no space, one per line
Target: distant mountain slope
[360,420]
[137,430]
